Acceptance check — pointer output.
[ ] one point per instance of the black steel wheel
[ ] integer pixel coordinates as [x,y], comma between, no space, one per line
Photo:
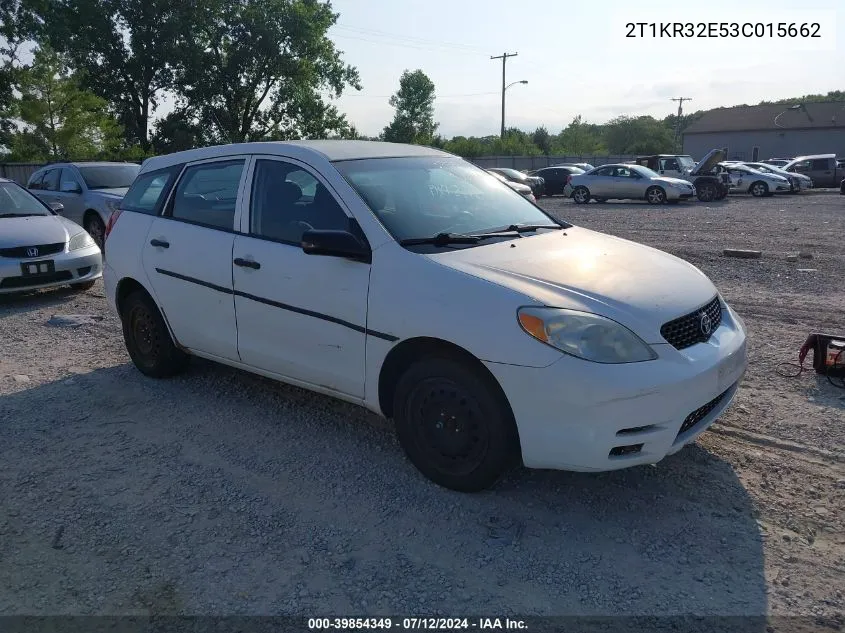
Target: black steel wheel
[148,339]
[454,424]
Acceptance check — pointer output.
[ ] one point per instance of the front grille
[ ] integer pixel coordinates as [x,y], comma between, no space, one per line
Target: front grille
[690,329]
[36,280]
[701,412]
[22,251]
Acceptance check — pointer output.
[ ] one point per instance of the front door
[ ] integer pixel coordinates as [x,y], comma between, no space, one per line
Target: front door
[70,195]
[188,256]
[821,171]
[300,316]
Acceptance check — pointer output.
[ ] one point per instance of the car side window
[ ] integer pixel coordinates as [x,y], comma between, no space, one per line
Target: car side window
[820,164]
[604,171]
[287,200]
[36,181]
[207,193]
[148,192]
[804,165]
[69,181]
[51,180]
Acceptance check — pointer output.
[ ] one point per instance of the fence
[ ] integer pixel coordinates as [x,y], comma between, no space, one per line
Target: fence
[537,162]
[19,172]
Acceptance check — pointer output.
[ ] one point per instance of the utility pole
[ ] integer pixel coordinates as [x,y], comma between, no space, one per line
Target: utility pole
[504,58]
[680,101]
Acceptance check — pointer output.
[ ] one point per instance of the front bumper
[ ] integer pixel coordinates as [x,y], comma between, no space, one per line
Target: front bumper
[582,416]
[680,194]
[70,267]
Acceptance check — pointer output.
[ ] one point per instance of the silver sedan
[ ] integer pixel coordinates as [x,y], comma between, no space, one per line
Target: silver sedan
[39,249]
[623,181]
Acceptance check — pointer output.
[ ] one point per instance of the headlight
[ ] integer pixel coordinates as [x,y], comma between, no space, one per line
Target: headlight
[80,240]
[585,335]
[113,204]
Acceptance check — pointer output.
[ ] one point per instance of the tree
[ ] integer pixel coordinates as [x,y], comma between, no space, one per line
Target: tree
[543,140]
[639,135]
[176,132]
[579,139]
[256,68]
[413,121]
[62,121]
[18,24]
[126,50]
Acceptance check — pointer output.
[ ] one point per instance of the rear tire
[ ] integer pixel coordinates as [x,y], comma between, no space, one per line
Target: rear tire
[655,195]
[148,339]
[454,424]
[759,189]
[581,195]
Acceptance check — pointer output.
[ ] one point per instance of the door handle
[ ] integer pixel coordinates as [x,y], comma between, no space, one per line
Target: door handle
[160,243]
[246,263]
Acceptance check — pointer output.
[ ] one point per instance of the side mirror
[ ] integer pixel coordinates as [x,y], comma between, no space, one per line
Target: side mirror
[58,207]
[70,187]
[335,244]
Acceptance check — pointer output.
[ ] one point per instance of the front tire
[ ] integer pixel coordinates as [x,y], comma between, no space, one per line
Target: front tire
[706,192]
[454,424]
[581,195]
[96,229]
[148,339]
[655,195]
[759,189]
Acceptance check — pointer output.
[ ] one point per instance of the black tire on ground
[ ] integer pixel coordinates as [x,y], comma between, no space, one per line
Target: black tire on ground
[83,286]
[655,195]
[148,339]
[95,227]
[706,192]
[759,189]
[454,424]
[581,195]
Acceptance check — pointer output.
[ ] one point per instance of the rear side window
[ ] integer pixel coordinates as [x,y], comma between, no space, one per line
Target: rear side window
[207,194]
[820,164]
[148,192]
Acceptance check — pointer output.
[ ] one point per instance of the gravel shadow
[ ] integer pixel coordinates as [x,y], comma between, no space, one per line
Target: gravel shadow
[222,493]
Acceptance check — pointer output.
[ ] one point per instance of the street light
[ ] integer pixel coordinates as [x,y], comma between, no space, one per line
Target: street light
[524,81]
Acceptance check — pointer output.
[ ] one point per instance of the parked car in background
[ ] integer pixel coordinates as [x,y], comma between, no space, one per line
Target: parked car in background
[799,182]
[418,287]
[555,178]
[89,192]
[584,166]
[759,184]
[777,162]
[620,181]
[536,183]
[523,190]
[709,186]
[40,249]
[822,168]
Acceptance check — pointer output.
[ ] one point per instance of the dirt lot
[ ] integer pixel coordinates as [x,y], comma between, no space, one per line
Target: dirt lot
[223,493]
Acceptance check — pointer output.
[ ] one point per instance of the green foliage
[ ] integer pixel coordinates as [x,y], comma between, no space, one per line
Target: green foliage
[413,121]
[255,70]
[62,121]
[835,95]
[637,135]
[579,139]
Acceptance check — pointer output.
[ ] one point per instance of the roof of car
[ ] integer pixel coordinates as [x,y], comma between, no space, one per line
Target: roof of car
[327,149]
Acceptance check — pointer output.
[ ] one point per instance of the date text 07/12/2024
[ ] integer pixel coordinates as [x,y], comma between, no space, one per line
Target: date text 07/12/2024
[778,30]
[410,624]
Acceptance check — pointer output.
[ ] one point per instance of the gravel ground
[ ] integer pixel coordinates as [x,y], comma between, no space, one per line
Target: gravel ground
[219,492]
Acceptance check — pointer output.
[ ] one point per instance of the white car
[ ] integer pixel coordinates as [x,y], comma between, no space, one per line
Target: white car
[757,183]
[39,249]
[409,281]
[798,182]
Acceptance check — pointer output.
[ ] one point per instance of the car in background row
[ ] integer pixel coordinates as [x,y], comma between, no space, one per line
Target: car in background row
[406,280]
[777,162]
[513,175]
[40,249]
[798,182]
[625,181]
[822,168]
[523,190]
[744,179]
[89,192]
[555,178]
[708,184]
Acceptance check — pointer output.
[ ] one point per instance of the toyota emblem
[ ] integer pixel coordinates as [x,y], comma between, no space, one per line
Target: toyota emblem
[706,324]
[32,251]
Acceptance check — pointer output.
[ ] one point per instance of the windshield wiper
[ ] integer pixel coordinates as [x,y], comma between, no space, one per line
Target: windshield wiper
[524,228]
[441,239]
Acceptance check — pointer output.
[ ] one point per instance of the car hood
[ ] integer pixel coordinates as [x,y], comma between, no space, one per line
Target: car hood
[36,230]
[673,181]
[708,162]
[636,285]
[117,192]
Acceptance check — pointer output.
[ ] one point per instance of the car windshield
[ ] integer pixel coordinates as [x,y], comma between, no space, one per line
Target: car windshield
[686,162]
[109,176]
[15,201]
[417,197]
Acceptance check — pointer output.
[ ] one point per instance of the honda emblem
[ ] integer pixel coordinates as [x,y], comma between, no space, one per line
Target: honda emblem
[32,251]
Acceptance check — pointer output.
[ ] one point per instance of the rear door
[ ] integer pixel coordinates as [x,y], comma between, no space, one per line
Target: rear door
[188,256]
[70,195]
[821,171]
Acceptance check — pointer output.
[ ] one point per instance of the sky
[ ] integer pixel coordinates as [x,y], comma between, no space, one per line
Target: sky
[577,59]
